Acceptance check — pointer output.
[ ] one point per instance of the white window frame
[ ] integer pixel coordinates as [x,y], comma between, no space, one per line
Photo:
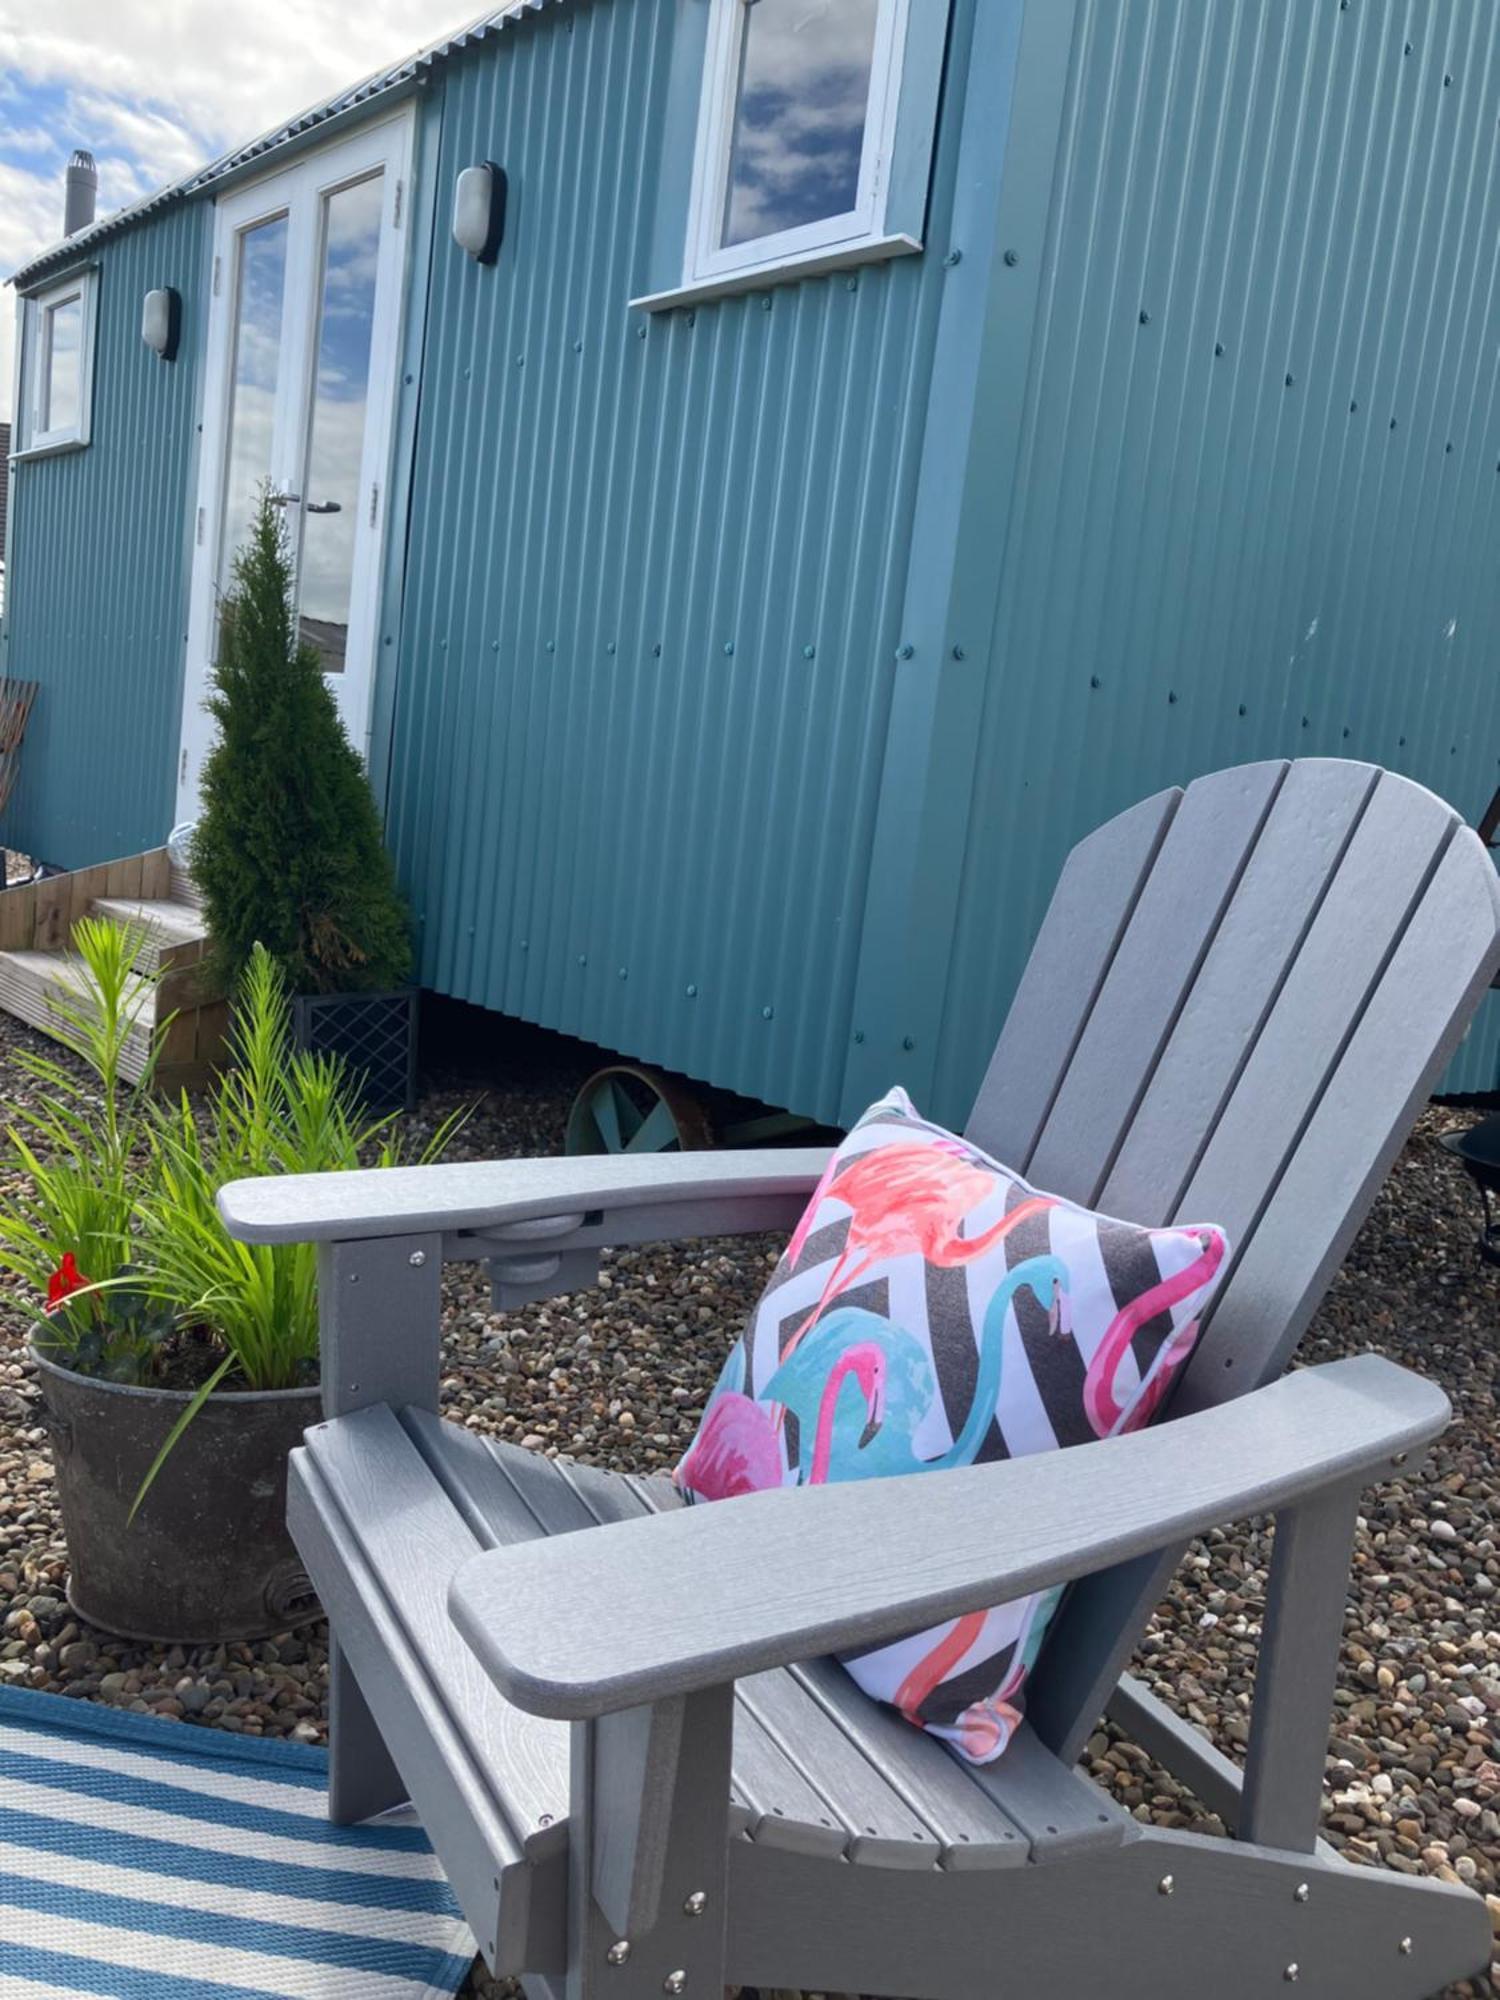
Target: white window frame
[814,245]
[36,309]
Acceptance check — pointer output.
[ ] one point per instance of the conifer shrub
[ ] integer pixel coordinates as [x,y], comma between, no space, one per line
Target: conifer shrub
[288,851]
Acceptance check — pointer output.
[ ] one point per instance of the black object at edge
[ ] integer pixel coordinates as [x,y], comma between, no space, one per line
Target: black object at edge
[499,200]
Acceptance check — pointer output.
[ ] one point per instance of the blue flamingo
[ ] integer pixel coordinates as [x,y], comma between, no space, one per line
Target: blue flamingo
[860,1385]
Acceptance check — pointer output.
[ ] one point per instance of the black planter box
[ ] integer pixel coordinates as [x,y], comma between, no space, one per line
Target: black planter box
[375,1033]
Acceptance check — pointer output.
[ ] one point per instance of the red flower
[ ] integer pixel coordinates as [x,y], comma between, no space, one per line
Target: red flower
[65,1280]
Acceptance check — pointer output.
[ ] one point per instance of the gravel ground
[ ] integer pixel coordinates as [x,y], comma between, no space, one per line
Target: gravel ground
[619,1376]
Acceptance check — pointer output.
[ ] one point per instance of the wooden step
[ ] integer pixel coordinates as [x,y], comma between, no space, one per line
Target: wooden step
[30,981]
[36,958]
[191,1050]
[162,925]
[184,888]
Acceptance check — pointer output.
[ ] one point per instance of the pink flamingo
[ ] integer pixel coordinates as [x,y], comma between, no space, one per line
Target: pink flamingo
[738,1446]
[736,1451]
[1101,1405]
[902,1198]
[866,1363]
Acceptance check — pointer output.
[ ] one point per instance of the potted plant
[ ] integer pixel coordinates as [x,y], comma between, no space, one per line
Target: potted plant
[177,1366]
[288,851]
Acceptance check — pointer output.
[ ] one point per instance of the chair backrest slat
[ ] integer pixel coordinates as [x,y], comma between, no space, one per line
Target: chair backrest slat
[1285,881]
[1405,1038]
[1176,916]
[1343,964]
[1093,902]
[1280,964]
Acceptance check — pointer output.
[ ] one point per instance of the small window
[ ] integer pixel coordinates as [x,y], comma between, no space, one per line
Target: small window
[796,133]
[57,364]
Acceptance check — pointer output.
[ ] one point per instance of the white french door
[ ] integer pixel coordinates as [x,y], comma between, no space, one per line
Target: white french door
[303,347]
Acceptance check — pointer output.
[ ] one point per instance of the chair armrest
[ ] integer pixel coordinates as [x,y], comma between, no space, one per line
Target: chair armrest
[641,1610]
[491,1194]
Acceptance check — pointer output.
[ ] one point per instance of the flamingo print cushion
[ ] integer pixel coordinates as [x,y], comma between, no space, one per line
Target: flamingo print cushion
[933,1310]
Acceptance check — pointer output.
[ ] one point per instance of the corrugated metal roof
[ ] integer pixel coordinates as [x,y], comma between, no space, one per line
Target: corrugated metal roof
[393,77]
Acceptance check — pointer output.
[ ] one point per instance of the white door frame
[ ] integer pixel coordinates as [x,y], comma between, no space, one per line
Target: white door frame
[297,191]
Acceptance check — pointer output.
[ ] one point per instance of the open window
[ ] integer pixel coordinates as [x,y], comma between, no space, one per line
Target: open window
[57,364]
[813,145]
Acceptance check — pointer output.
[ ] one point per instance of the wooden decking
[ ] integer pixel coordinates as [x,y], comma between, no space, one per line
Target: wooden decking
[38,965]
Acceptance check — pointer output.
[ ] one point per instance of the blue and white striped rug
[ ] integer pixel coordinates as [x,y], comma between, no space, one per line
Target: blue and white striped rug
[149,1860]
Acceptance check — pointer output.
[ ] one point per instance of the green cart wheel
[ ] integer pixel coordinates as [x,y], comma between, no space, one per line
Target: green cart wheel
[630,1109]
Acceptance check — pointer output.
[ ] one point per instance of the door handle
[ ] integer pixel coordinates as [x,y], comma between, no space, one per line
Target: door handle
[324,507]
[284,499]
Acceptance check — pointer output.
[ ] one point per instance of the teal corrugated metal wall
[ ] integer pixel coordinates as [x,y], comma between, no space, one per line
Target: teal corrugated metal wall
[1254,503]
[97,585]
[755,666]
[651,732]
[653,595]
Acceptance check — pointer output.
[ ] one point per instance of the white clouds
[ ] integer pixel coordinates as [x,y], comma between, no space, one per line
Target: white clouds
[155,88]
[28,210]
[156,146]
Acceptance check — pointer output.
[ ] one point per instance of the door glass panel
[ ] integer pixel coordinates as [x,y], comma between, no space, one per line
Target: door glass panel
[801,102]
[261,284]
[336,432]
[64,366]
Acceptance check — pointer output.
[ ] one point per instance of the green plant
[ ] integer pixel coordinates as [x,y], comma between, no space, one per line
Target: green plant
[275,1109]
[80,1161]
[288,851]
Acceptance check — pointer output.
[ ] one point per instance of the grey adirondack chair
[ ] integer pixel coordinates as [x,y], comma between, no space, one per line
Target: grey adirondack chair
[617,1716]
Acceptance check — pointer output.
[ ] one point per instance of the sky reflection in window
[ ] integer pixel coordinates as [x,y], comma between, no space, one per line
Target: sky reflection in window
[801,103]
[64,367]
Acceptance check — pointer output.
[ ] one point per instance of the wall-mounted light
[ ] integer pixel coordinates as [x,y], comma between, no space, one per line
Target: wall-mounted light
[161,321]
[479,211]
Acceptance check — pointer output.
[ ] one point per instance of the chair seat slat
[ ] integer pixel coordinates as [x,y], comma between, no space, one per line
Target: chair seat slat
[410,1534]
[882,1827]
[972,1830]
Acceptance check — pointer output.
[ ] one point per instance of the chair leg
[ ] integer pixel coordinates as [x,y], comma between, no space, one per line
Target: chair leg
[362,1780]
[1296,1671]
[379,1332]
[648,1851]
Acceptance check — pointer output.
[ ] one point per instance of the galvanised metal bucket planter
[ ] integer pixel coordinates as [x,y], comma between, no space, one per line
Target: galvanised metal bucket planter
[375,1033]
[208,1557]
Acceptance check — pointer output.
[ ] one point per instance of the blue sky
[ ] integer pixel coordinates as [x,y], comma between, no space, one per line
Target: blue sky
[155,87]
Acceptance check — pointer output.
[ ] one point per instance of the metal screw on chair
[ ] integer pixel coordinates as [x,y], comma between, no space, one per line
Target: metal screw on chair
[696,1904]
[619,1951]
[417,1259]
[1404,1947]
[1292,1974]
[1301,1893]
[1165,1886]
[674,1982]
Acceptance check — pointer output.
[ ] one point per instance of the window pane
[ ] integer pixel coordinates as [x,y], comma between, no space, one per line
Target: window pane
[346,317]
[257,363]
[62,390]
[801,103]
